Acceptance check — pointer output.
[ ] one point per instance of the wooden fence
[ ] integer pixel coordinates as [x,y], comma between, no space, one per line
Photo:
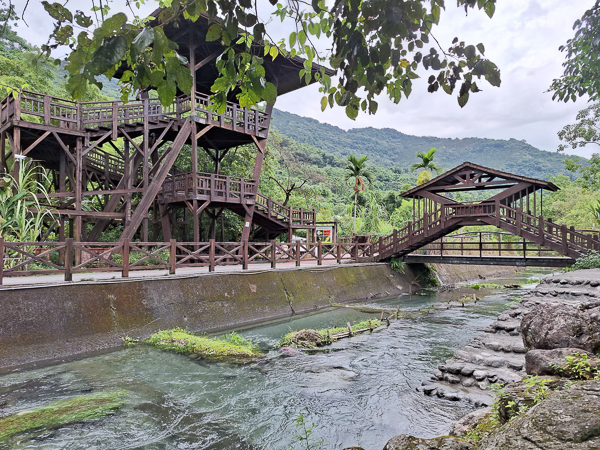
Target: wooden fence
[69,257]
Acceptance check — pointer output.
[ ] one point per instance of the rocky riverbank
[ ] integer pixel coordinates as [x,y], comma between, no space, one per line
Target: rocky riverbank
[551,335]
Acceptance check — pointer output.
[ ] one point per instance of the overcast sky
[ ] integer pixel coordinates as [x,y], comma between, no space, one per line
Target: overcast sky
[522,39]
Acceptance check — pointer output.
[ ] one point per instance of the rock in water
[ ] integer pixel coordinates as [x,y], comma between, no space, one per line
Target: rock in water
[308,338]
[289,351]
[406,442]
[550,326]
[568,419]
[554,362]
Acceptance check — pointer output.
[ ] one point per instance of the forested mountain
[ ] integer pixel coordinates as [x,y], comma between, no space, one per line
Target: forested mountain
[390,148]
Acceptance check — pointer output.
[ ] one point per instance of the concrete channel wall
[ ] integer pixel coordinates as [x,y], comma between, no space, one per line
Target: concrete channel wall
[52,322]
[45,323]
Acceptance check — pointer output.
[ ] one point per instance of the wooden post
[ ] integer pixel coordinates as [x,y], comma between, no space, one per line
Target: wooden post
[442,246]
[273,254]
[329,335]
[379,250]
[541,233]
[409,231]
[46,110]
[395,241]
[524,248]
[319,254]
[1,259]
[480,246]
[339,252]
[497,207]
[518,231]
[350,332]
[565,243]
[211,255]
[172,257]
[370,326]
[125,255]
[69,260]
[462,246]
[244,255]
[298,255]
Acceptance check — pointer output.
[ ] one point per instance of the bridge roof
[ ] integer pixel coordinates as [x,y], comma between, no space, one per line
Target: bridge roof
[281,71]
[469,176]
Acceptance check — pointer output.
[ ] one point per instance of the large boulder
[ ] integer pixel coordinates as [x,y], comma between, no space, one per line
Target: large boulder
[470,421]
[567,419]
[554,362]
[550,326]
[406,442]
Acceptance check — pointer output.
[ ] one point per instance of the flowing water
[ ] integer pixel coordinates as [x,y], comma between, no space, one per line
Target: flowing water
[359,392]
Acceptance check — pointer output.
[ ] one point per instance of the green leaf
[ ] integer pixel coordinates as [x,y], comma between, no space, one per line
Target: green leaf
[463,99]
[269,93]
[481,48]
[144,39]
[301,37]
[292,38]
[109,54]
[352,111]
[58,12]
[324,103]
[214,32]
[82,20]
[490,8]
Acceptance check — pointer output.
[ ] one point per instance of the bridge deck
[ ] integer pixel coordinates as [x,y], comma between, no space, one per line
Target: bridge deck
[529,261]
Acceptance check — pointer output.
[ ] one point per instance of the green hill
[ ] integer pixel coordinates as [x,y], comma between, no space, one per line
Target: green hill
[390,148]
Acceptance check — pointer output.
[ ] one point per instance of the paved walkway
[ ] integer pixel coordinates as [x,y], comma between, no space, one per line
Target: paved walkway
[136,275]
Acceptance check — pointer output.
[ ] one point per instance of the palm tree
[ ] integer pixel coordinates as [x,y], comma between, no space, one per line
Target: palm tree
[426,164]
[356,169]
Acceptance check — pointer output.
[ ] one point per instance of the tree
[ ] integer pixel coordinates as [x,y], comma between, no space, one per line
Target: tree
[375,47]
[584,132]
[582,65]
[590,170]
[356,169]
[427,164]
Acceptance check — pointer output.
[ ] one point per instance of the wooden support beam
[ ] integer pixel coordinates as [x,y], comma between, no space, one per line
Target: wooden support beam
[64,147]
[35,143]
[96,143]
[155,185]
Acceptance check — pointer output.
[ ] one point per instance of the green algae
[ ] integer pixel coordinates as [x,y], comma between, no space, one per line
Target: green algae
[62,412]
[230,346]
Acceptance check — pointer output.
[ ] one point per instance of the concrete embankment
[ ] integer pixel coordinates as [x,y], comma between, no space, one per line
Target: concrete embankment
[58,321]
[43,323]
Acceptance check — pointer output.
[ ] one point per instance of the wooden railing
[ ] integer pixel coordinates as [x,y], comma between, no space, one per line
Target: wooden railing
[210,187]
[275,210]
[69,257]
[236,118]
[485,243]
[63,113]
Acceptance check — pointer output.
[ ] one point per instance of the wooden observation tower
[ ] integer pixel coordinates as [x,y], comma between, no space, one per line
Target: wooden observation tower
[135,182]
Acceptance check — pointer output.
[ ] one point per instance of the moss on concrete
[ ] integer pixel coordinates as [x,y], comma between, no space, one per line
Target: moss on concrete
[62,412]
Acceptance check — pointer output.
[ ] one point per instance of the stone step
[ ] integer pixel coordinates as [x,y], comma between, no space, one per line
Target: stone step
[456,392]
[500,343]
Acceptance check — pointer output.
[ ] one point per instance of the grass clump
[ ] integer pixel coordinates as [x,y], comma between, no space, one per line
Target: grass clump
[229,346]
[62,412]
[478,286]
[317,338]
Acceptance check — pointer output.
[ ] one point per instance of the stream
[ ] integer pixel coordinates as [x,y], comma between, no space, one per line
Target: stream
[359,391]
